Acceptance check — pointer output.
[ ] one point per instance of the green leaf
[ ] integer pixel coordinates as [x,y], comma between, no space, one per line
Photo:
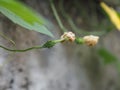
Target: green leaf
[106,56]
[24,16]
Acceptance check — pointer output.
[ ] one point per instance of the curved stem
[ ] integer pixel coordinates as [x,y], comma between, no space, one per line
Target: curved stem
[57,16]
[7,38]
[20,50]
[48,44]
[74,27]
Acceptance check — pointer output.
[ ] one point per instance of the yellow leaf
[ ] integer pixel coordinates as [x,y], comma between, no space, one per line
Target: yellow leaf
[115,19]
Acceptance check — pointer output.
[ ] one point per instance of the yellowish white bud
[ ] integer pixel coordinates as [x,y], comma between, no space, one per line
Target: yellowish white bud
[91,40]
[70,36]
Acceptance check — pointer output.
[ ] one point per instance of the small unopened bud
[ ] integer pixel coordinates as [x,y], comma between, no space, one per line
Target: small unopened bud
[70,36]
[49,44]
[91,40]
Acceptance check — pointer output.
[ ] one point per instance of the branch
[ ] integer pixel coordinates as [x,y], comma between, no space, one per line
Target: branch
[74,27]
[57,16]
[67,36]
[7,38]
[48,44]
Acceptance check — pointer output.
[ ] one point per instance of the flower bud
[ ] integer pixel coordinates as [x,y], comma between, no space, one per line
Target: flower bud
[70,36]
[90,40]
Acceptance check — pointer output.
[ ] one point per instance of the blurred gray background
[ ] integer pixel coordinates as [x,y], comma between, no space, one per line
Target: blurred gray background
[66,66]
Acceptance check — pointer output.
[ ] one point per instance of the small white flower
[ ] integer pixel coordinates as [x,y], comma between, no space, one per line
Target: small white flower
[91,40]
[70,36]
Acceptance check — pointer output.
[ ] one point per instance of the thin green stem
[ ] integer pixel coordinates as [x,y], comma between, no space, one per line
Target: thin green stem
[74,27]
[7,38]
[70,21]
[48,44]
[57,16]
[20,50]
[59,40]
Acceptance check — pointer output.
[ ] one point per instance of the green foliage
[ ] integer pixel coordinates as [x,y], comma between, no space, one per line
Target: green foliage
[106,56]
[23,16]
